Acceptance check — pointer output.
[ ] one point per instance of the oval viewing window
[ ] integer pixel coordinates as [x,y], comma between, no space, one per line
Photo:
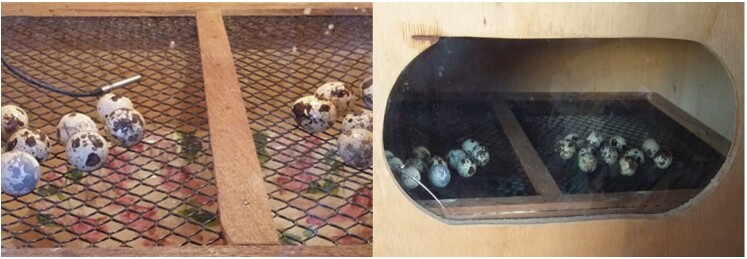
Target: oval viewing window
[504,129]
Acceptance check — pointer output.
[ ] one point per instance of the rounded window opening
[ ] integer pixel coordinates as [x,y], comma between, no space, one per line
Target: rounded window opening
[520,130]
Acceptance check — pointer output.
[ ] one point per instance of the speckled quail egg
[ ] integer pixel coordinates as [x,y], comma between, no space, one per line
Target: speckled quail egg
[609,154]
[30,141]
[439,175]
[110,102]
[367,91]
[573,137]
[395,164]
[663,159]
[565,148]
[416,163]
[87,151]
[73,123]
[126,126]
[14,118]
[618,142]
[650,147]
[356,148]
[410,177]
[388,154]
[587,162]
[420,152]
[469,144]
[459,161]
[436,160]
[479,155]
[595,139]
[361,119]
[338,93]
[20,173]
[586,150]
[637,154]
[313,114]
[628,166]
[454,156]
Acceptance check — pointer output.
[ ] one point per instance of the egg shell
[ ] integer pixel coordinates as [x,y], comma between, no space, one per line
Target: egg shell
[13,119]
[469,144]
[479,155]
[388,154]
[618,142]
[72,123]
[628,166]
[20,173]
[575,138]
[395,164]
[454,157]
[637,154]
[466,168]
[126,126]
[417,164]
[110,102]
[650,147]
[355,147]
[595,139]
[586,150]
[338,93]
[367,91]
[361,119]
[436,160]
[31,141]
[313,114]
[587,162]
[410,177]
[565,148]
[420,152]
[87,151]
[609,154]
[663,159]
[439,175]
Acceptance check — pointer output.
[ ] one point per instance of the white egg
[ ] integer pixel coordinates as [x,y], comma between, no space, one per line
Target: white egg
[663,159]
[436,160]
[469,144]
[587,162]
[367,91]
[361,119]
[30,141]
[126,126]
[420,152]
[395,164]
[14,118]
[479,155]
[637,154]
[565,148]
[110,102]
[609,154]
[20,173]
[595,139]
[439,175]
[410,177]
[73,123]
[356,148]
[87,151]
[313,114]
[650,147]
[628,166]
[338,93]
[618,142]
[417,164]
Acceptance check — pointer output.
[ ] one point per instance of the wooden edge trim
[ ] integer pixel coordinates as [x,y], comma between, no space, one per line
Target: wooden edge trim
[535,168]
[242,198]
[260,250]
[718,142]
[185,9]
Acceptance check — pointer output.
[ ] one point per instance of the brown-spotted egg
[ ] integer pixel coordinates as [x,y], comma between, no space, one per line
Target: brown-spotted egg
[618,142]
[13,119]
[313,114]
[338,93]
[87,151]
[73,123]
[609,154]
[110,102]
[355,147]
[650,147]
[595,139]
[459,161]
[361,119]
[628,166]
[126,126]
[367,91]
[31,141]
[637,154]
[663,159]
[587,162]
[565,148]
[420,152]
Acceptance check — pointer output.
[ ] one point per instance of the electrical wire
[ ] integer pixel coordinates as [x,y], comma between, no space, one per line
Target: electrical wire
[38,83]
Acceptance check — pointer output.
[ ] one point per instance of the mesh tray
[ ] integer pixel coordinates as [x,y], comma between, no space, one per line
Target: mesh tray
[695,162]
[152,194]
[315,199]
[443,125]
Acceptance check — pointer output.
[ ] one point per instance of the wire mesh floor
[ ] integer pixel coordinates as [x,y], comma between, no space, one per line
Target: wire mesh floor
[160,192]
[316,200]
[545,122]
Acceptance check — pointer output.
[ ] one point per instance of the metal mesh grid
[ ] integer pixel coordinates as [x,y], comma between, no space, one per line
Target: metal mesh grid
[443,125]
[157,193]
[316,200]
[695,162]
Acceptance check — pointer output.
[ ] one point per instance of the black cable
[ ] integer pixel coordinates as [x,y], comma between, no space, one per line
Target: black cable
[33,81]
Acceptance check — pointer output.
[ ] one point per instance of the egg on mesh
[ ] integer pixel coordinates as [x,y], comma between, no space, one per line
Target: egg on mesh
[388,154]
[126,126]
[459,161]
[628,166]
[618,142]
[395,164]
[663,159]
[609,154]
[361,119]
[439,175]
[355,147]
[417,164]
[313,114]
[586,150]
[110,102]
[565,148]
[20,173]
[13,119]
[420,152]
[637,154]
[436,160]
[587,162]
[338,93]
[595,139]
[73,123]
[87,151]
[410,177]
[469,144]
[650,147]
[31,141]
[575,138]
[479,155]
[367,91]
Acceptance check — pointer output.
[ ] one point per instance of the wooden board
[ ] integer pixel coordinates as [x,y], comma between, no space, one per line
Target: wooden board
[244,210]
[710,224]
[258,250]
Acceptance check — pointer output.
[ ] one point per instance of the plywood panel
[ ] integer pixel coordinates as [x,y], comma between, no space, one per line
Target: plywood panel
[712,226]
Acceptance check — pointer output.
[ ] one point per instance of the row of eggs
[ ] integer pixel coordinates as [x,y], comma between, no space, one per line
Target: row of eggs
[86,149]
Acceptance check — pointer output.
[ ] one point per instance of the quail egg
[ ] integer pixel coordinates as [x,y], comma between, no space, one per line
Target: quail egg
[87,151]
[410,177]
[663,159]
[436,160]
[126,126]
[20,173]
[458,160]
[565,148]
[110,102]
[338,93]
[618,142]
[595,139]
[395,164]
[587,162]
[469,144]
[439,175]
[14,118]
[367,91]
[609,154]
[637,154]
[388,154]
[454,156]
[360,119]
[73,123]
[416,163]
[422,153]
[650,147]
[586,150]
[30,141]
[628,165]
[479,155]
[573,137]
[355,147]
[313,114]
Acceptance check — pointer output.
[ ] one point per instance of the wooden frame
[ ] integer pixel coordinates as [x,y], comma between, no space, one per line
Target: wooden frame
[245,215]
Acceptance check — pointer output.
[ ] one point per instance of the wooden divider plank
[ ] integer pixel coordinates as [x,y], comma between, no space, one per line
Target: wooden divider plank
[244,210]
